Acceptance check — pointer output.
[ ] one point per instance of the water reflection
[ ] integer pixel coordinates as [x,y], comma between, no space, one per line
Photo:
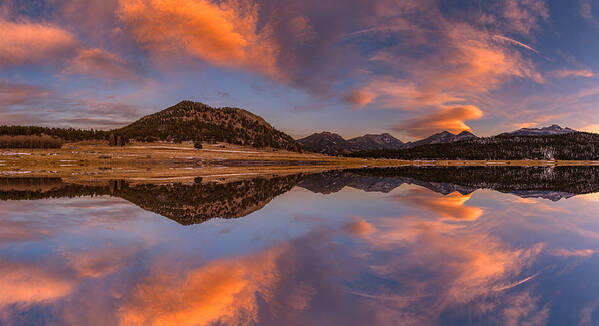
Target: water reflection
[379,247]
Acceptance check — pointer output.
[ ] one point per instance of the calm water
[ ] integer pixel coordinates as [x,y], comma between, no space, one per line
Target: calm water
[409,247]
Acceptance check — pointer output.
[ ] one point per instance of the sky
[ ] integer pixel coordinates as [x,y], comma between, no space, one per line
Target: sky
[407,67]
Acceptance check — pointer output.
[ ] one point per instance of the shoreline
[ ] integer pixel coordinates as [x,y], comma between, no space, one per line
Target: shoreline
[164,162]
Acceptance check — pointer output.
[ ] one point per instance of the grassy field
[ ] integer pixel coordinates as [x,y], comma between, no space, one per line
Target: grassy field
[165,162]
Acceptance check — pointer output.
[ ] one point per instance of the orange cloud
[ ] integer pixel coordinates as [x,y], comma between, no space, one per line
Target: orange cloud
[388,93]
[359,227]
[470,264]
[359,97]
[444,62]
[97,62]
[223,34]
[28,43]
[465,65]
[450,119]
[451,206]
[463,266]
[223,292]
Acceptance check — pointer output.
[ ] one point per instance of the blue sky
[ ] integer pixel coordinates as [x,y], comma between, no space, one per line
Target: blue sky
[407,67]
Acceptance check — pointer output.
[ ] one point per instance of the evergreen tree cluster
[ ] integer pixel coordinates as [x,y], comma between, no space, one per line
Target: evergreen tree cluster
[44,137]
[67,134]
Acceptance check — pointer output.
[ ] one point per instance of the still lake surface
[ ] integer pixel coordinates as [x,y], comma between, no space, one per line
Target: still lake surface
[415,246]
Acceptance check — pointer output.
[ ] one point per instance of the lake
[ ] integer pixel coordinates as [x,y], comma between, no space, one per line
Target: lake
[401,246]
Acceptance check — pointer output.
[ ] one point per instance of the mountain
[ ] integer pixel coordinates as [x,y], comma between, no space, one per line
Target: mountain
[333,144]
[442,138]
[199,122]
[326,143]
[370,142]
[546,131]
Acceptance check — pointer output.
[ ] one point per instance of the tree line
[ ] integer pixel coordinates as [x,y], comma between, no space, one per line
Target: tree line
[44,137]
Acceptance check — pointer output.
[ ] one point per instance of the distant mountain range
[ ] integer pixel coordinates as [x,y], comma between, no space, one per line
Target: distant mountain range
[334,144]
[331,143]
[549,143]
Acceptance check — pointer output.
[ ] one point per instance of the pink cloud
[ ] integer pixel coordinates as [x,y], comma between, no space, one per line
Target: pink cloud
[574,73]
[100,63]
[15,94]
[24,42]
[24,283]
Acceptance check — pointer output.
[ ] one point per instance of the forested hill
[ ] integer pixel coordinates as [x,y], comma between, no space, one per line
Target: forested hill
[186,121]
[571,146]
[199,122]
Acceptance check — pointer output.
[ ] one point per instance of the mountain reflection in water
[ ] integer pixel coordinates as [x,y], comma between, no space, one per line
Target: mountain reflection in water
[414,246]
[198,202]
